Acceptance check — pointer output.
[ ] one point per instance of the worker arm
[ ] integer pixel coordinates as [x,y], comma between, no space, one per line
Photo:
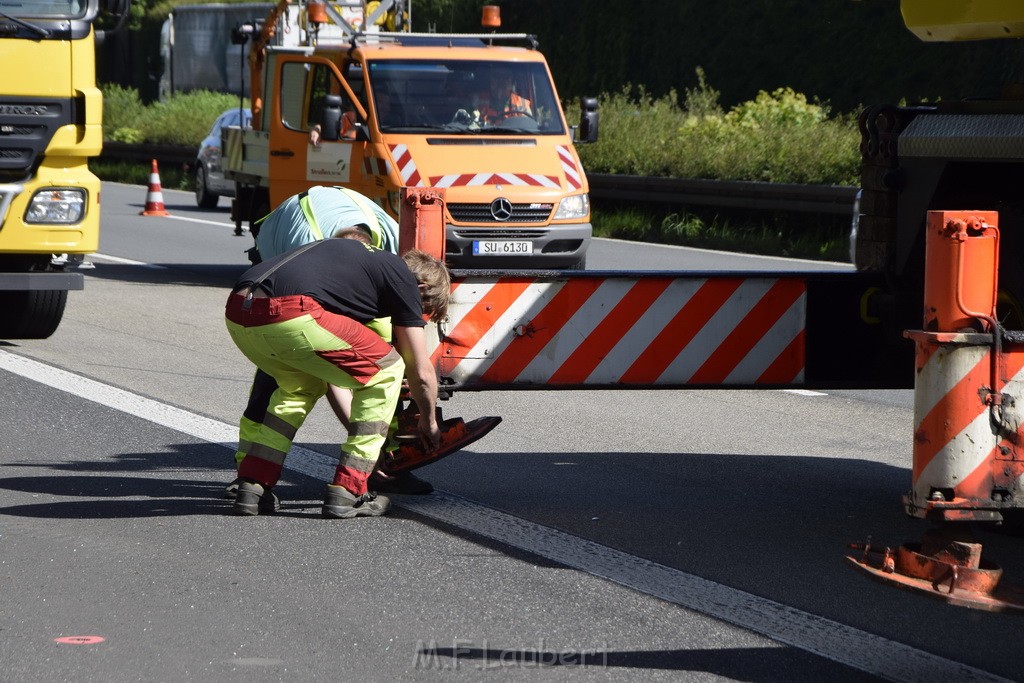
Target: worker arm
[341,403]
[412,346]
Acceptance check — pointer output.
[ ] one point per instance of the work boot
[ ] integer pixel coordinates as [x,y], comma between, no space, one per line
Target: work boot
[269,503]
[254,499]
[231,490]
[403,482]
[340,503]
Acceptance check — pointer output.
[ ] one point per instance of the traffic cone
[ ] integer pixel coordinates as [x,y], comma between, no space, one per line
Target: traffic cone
[155,196]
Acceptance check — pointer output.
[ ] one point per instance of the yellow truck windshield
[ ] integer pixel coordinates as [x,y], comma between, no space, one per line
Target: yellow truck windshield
[464,97]
[44,9]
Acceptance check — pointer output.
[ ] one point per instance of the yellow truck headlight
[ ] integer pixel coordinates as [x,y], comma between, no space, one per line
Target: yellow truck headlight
[56,206]
[575,206]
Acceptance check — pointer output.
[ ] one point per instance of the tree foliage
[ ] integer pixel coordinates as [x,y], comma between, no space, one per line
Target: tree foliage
[845,52]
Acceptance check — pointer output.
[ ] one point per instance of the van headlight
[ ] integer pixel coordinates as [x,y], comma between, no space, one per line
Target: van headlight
[576,206]
[56,206]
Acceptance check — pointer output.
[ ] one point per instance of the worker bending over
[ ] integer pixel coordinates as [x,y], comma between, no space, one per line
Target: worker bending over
[323,212]
[301,318]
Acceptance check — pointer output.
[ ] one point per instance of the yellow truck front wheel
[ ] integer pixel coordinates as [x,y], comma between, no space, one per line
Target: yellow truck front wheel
[31,314]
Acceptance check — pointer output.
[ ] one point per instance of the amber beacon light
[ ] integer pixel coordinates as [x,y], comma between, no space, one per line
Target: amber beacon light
[491,17]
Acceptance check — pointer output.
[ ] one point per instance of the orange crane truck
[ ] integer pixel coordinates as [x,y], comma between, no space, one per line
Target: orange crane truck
[475,115]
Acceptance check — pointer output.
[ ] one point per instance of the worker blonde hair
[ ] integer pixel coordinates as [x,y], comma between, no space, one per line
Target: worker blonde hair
[355,232]
[435,282]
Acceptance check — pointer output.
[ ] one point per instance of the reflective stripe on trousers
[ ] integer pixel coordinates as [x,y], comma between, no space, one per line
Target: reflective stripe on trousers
[305,348]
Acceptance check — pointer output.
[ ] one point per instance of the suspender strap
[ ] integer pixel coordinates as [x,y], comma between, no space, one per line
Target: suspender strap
[307,211]
[247,304]
[372,222]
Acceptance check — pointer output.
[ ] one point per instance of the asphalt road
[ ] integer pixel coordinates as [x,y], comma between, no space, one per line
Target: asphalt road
[601,535]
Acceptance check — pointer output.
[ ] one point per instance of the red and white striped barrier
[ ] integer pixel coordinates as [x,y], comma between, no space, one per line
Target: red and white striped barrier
[615,331]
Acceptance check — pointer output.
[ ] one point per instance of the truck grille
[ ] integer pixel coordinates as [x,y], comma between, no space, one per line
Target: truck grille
[26,127]
[481,213]
[520,234]
[19,130]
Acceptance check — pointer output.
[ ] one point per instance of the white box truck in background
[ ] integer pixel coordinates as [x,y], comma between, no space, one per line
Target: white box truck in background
[196,48]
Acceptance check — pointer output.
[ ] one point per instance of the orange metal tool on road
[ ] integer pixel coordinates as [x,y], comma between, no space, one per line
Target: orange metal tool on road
[456,434]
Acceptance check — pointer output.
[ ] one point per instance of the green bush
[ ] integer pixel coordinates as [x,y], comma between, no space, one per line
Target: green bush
[183,119]
[122,110]
[778,137]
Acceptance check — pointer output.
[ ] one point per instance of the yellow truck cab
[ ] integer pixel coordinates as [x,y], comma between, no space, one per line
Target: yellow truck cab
[472,114]
[50,126]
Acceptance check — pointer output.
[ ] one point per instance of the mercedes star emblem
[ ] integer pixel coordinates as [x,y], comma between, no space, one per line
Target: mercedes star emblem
[501,209]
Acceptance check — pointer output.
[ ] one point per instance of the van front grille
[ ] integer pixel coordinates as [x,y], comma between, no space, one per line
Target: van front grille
[481,213]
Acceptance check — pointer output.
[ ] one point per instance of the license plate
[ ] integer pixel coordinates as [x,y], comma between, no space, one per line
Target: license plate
[501,247]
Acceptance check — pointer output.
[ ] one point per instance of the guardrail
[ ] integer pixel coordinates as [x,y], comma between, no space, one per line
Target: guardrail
[823,199]
[828,199]
[164,154]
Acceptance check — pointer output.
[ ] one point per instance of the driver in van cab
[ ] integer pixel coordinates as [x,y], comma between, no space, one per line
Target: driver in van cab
[504,102]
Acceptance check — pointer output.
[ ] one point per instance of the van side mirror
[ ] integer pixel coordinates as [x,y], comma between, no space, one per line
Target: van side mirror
[330,120]
[360,133]
[588,119]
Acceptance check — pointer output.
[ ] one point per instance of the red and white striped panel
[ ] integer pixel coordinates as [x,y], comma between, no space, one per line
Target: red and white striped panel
[572,172]
[955,446]
[471,179]
[624,330]
[406,166]
[375,166]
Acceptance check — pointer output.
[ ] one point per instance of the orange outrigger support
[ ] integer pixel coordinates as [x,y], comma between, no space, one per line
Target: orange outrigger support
[968,463]
[422,227]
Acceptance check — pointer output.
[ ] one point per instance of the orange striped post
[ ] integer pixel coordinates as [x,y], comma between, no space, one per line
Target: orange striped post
[966,466]
[960,372]
[421,224]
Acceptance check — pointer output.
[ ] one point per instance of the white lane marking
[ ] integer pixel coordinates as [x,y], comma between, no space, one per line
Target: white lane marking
[125,261]
[202,220]
[829,639]
[803,392]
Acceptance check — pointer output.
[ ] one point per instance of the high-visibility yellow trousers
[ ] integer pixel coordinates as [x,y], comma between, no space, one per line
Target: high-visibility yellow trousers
[304,348]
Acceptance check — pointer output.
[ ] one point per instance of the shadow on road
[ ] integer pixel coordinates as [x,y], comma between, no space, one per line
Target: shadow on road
[735,664]
[195,274]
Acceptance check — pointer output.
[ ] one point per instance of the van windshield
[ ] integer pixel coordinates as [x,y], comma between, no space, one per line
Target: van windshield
[464,97]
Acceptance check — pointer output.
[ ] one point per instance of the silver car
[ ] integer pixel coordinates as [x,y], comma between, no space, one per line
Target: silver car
[210,182]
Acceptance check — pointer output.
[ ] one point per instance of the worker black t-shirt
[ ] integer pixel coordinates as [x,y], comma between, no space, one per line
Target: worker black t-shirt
[348,277]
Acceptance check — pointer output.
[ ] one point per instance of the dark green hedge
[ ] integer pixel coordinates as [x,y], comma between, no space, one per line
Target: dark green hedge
[845,52]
